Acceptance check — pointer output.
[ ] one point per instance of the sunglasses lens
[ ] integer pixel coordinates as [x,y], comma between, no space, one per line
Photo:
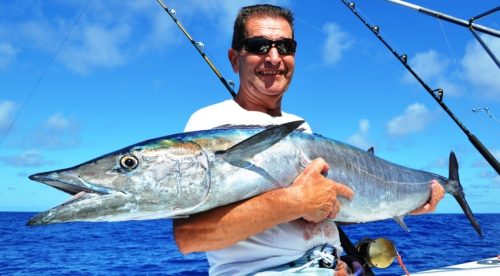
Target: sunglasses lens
[286,46]
[258,45]
[261,46]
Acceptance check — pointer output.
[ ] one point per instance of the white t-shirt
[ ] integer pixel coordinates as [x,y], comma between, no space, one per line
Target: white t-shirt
[275,246]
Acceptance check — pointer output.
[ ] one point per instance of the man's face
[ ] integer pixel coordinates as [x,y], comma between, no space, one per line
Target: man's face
[267,74]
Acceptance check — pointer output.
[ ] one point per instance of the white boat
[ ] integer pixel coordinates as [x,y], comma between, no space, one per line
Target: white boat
[489,266]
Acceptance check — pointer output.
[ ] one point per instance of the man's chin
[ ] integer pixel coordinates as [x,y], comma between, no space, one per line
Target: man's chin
[273,92]
[274,89]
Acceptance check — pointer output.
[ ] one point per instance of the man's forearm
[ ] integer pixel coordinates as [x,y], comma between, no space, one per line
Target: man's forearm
[224,226]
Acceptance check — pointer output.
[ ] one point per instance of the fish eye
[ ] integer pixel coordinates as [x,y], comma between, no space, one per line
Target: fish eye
[129,162]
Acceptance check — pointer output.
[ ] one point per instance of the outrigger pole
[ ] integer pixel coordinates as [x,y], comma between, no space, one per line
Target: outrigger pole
[199,46]
[437,94]
[458,21]
[473,27]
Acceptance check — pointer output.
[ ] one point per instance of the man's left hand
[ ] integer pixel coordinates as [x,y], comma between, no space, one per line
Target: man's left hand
[437,193]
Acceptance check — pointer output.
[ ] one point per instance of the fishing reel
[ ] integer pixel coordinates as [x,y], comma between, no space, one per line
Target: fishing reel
[378,252]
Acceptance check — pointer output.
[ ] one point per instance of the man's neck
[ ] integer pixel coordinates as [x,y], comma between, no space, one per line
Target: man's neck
[269,106]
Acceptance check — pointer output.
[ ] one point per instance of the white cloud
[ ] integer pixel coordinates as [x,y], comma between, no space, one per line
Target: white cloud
[37,34]
[7,109]
[359,139]
[7,55]
[105,38]
[486,171]
[57,122]
[57,132]
[98,46]
[336,43]
[162,33]
[480,69]
[102,38]
[428,65]
[433,68]
[492,176]
[26,159]
[223,12]
[482,163]
[414,119]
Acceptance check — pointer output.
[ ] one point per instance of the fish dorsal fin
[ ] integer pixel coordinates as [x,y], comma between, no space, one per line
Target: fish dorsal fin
[371,150]
[400,221]
[232,126]
[259,142]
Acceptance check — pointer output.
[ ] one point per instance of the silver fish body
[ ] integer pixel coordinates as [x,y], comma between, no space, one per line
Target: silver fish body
[187,173]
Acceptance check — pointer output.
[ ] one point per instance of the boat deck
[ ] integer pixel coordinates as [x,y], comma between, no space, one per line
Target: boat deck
[489,266]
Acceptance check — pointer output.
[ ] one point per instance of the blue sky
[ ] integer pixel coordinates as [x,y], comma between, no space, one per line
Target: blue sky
[125,73]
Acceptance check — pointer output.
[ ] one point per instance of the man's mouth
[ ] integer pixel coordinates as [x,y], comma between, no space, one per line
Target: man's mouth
[271,72]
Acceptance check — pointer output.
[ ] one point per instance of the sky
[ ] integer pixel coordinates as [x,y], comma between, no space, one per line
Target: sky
[82,78]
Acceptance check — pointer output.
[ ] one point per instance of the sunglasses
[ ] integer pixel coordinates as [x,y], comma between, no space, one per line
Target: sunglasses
[262,45]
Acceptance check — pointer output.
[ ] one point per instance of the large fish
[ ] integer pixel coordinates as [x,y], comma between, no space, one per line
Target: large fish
[186,173]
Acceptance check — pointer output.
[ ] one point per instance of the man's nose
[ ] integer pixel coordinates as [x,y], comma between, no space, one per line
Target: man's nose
[273,56]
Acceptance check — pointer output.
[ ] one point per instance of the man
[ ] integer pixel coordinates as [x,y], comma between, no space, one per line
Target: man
[270,231]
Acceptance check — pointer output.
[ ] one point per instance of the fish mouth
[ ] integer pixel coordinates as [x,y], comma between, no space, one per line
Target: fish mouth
[70,183]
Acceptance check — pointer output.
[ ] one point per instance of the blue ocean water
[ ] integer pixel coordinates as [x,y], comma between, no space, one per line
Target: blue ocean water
[147,247]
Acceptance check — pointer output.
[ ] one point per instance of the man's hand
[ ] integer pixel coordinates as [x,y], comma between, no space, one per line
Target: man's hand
[312,197]
[318,194]
[342,269]
[437,193]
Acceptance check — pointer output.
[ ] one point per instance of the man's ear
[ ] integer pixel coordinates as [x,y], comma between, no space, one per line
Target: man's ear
[232,54]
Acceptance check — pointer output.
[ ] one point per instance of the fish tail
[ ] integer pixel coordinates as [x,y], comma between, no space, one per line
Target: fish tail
[453,187]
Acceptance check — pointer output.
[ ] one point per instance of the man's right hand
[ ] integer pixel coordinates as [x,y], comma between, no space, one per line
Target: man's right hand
[318,194]
[312,197]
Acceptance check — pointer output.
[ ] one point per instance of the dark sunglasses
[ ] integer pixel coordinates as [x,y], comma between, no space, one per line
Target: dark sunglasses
[262,45]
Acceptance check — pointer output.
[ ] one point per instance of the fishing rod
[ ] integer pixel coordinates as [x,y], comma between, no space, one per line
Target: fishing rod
[437,94]
[473,27]
[199,46]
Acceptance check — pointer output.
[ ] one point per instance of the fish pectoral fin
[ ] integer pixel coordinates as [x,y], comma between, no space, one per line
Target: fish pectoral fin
[259,142]
[400,221]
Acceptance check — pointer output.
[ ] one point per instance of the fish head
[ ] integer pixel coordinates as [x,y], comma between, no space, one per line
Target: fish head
[158,178]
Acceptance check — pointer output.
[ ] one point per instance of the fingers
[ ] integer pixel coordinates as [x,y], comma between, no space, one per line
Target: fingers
[437,193]
[320,194]
[343,190]
[335,210]
[421,210]
[341,269]
[318,165]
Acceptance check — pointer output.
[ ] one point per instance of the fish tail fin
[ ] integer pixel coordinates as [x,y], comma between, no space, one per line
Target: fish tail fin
[454,188]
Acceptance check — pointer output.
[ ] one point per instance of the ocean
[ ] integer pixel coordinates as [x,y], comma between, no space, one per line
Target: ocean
[147,247]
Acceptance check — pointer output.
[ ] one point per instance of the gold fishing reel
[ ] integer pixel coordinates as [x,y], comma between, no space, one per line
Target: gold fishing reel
[378,252]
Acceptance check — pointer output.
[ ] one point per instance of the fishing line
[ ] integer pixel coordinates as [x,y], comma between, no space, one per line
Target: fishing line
[437,94]
[478,38]
[199,47]
[360,51]
[487,111]
[455,62]
[44,71]
[473,27]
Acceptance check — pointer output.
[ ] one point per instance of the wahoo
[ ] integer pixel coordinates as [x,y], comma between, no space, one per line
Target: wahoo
[191,172]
